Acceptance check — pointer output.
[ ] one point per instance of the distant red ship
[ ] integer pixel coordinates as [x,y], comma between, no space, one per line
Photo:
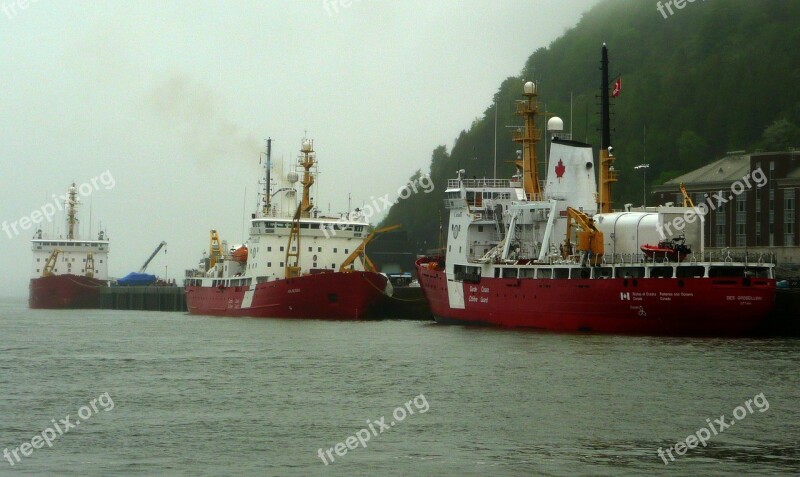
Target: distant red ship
[68,272]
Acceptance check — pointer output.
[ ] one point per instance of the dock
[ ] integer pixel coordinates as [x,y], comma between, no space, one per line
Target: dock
[143,298]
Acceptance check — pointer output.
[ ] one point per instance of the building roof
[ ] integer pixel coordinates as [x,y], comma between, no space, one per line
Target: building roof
[727,169]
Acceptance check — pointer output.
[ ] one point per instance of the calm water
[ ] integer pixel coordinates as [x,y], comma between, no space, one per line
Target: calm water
[216,396]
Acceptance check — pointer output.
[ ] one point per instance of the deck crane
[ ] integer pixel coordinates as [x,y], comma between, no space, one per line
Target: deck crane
[360,252]
[589,238]
[144,267]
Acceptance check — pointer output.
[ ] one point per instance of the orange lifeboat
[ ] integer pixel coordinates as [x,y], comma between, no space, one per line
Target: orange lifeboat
[240,254]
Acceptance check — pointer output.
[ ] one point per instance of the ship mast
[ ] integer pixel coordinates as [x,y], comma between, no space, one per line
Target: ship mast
[528,137]
[265,211]
[307,161]
[607,174]
[72,204]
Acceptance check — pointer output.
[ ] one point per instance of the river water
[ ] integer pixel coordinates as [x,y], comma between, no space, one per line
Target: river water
[171,394]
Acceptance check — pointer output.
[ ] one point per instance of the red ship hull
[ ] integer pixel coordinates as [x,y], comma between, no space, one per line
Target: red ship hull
[650,306]
[334,296]
[65,291]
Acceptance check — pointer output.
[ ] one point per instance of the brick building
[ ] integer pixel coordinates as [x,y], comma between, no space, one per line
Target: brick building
[759,193]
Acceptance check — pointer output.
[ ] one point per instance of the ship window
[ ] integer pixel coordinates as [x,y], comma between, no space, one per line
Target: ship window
[319,249]
[603,272]
[281,264]
[37,270]
[630,272]
[269,264]
[480,228]
[334,250]
[468,274]
[580,272]
[310,249]
[333,266]
[314,265]
[294,248]
[561,273]
[347,250]
[269,249]
[281,248]
[661,272]
[726,271]
[38,259]
[691,271]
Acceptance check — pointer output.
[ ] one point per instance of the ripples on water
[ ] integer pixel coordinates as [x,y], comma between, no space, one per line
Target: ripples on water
[216,396]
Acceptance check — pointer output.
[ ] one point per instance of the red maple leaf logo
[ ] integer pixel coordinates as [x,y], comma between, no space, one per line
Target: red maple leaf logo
[560,169]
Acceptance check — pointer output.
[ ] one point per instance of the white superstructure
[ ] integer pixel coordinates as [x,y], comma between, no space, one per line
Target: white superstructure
[71,254]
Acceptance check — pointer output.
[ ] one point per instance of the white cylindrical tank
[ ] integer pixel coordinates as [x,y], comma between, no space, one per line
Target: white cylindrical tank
[626,232]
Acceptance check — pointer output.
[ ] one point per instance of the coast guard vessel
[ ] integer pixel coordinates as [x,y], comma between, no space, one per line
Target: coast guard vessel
[553,254]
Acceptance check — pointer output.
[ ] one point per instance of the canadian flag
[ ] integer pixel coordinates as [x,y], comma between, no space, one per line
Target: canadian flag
[617,87]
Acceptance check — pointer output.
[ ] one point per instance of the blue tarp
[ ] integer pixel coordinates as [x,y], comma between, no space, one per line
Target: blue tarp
[136,279]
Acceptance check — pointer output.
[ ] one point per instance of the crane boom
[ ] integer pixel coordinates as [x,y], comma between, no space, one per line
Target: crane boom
[360,252]
[589,237]
[144,267]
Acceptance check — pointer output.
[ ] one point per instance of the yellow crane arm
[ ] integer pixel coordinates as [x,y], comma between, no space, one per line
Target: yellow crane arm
[590,238]
[51,263]
[214,250]
[687,201]
[360,252]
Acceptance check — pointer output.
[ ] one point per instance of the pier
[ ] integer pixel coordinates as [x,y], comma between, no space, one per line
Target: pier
[144,298]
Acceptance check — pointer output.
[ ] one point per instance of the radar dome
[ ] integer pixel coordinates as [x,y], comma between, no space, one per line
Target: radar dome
[307,146]
[530,87]
[555,124]
[292,177]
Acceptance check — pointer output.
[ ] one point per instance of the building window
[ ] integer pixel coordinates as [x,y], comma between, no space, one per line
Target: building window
[771,208]
[788,217]
[741,220]
[719,236]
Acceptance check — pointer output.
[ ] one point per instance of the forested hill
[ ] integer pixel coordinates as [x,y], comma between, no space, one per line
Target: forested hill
[714,76]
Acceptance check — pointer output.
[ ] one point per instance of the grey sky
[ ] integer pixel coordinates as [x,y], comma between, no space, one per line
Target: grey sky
[175,98]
